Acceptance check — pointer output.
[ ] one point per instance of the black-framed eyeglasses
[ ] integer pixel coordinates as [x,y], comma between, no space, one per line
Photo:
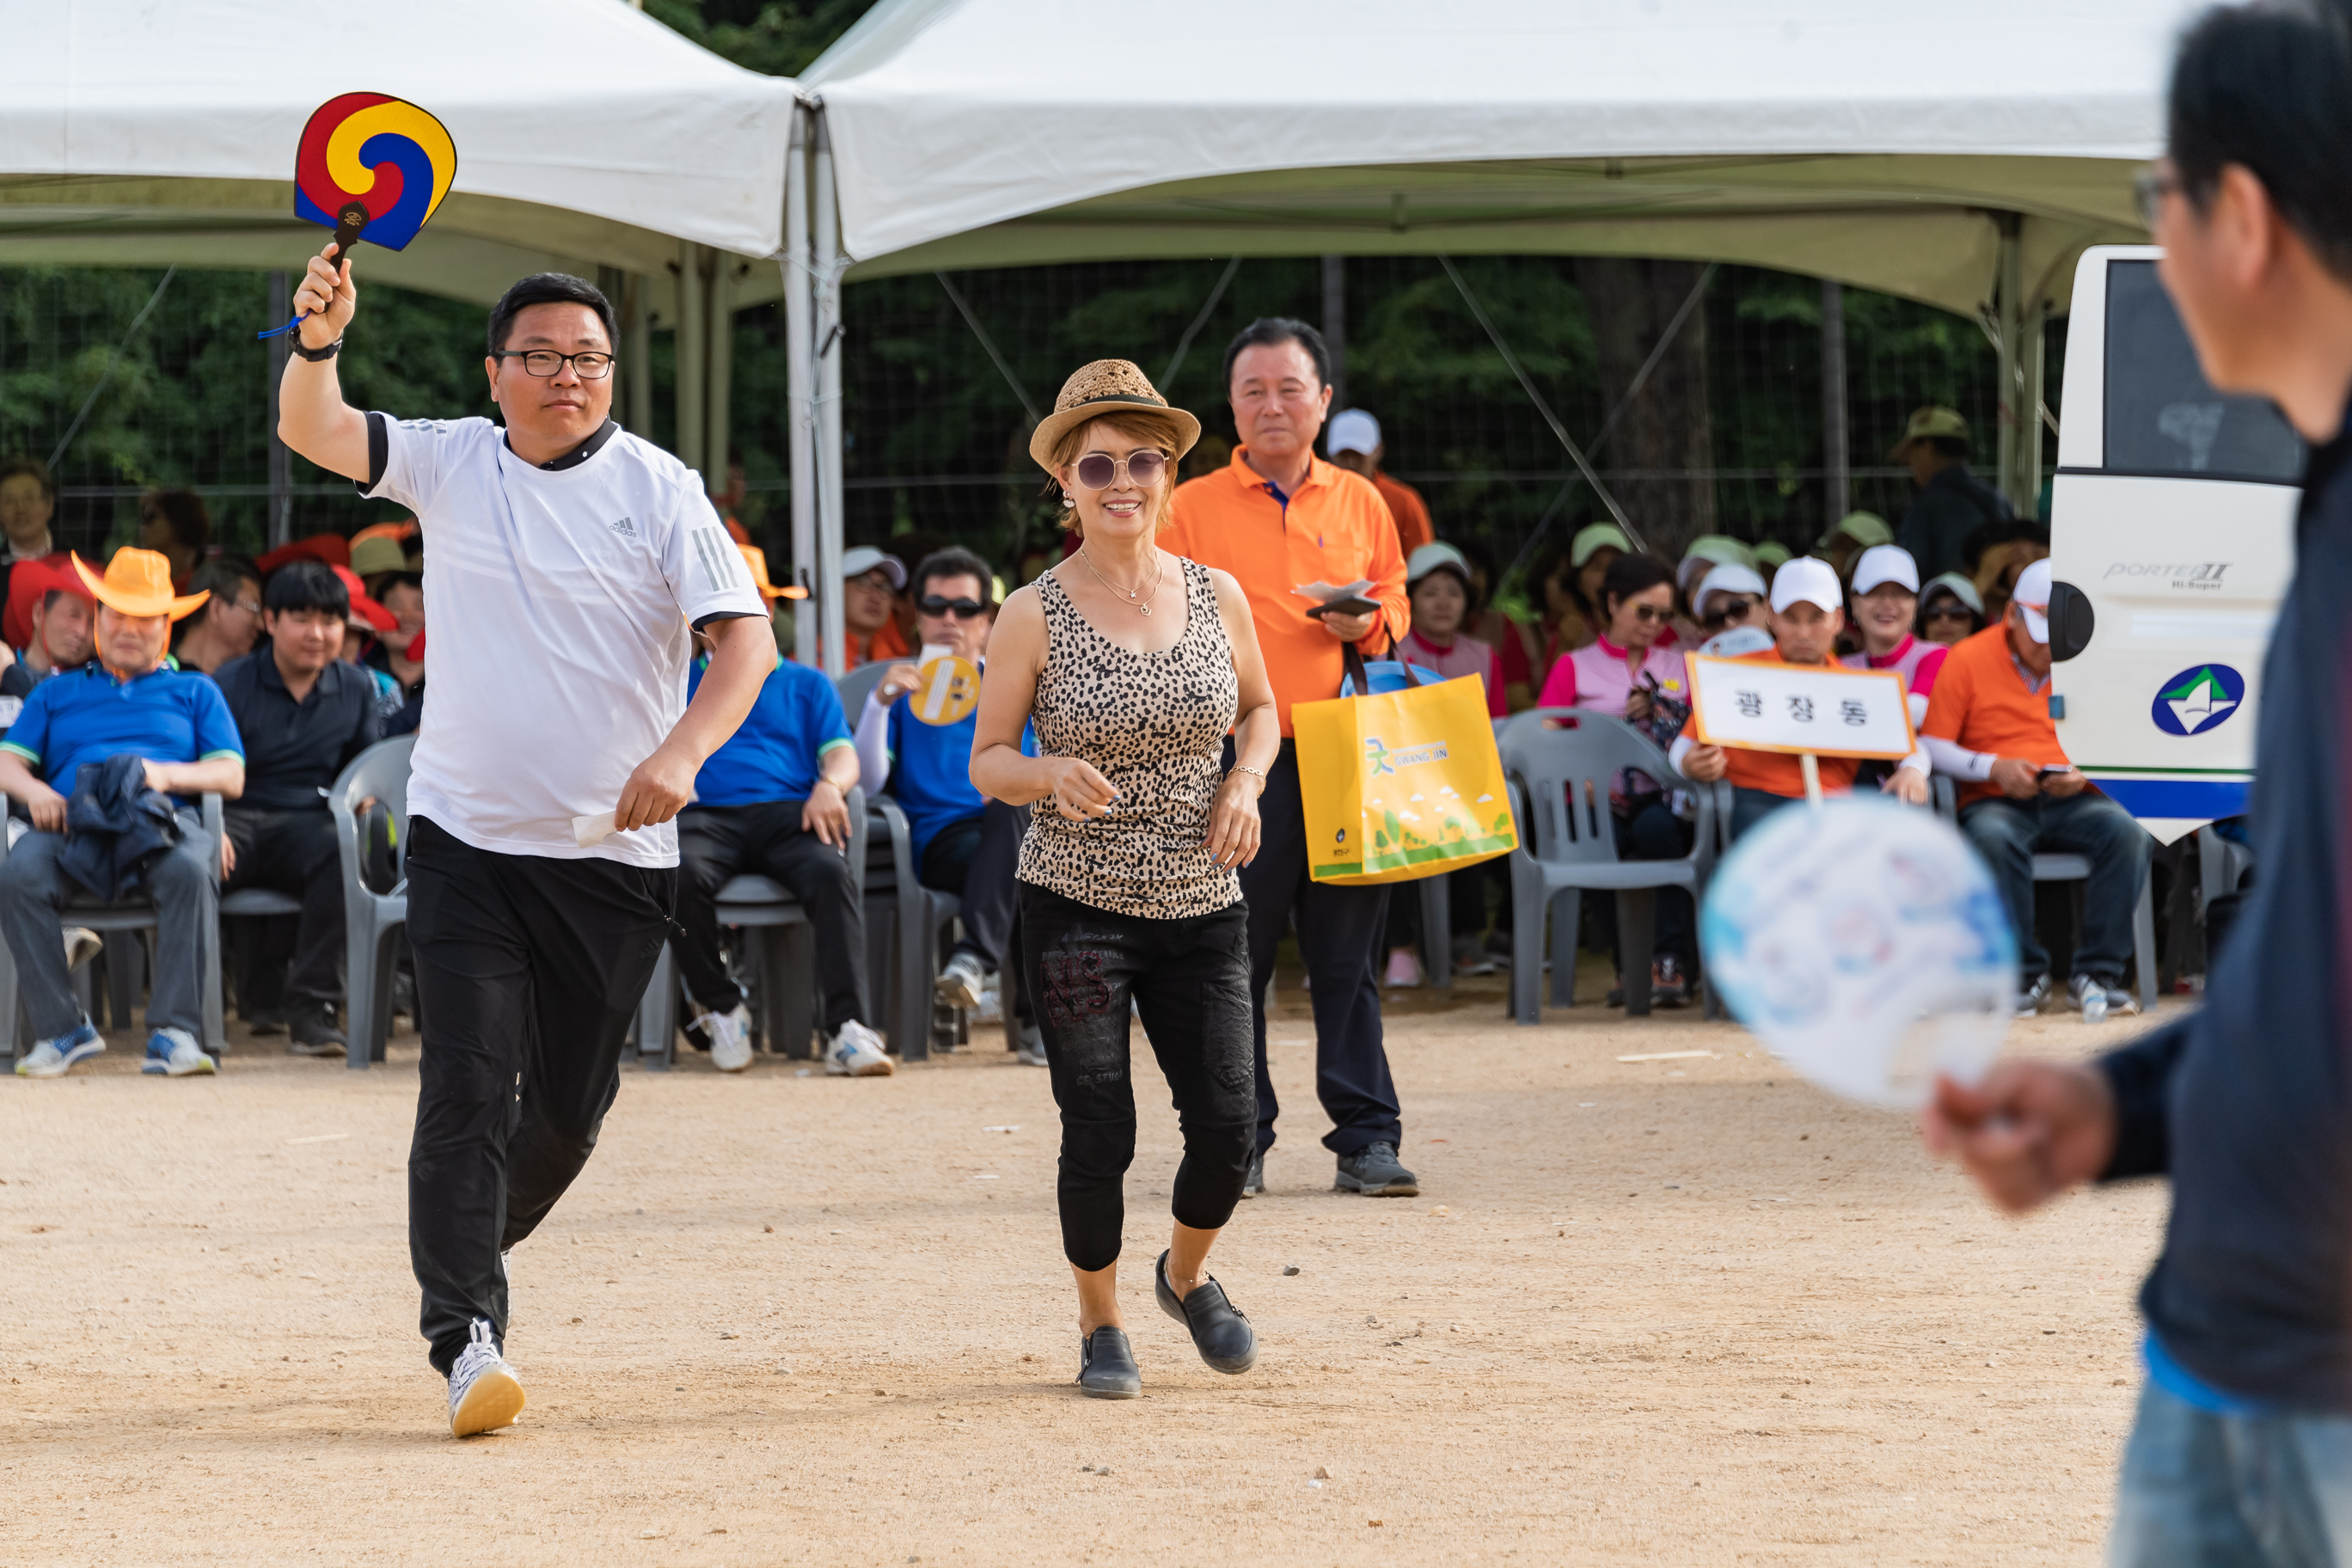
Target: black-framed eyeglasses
[1725,611]
[589,365]
[961,609]
[2148,192]
[1100,470]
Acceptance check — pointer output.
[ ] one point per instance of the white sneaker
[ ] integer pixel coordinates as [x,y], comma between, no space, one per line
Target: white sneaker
[729,1035]
[484,1392]
[856,1052]
[1031,1051]
[52,1058]
[961,982]
[173,1053]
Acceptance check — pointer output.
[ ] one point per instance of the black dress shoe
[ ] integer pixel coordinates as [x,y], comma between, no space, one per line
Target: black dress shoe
[1219,1331]
[1106,1367]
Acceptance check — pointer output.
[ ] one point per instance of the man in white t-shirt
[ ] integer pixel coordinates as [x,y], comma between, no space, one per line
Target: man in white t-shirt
[566,561]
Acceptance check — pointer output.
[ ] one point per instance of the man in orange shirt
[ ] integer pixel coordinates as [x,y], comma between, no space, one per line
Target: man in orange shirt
[1277,517]
[870,582]
[1355,445]
[2019,796]
[1807,613]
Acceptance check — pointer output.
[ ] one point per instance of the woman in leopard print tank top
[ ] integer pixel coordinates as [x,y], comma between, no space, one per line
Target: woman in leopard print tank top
[1133,664]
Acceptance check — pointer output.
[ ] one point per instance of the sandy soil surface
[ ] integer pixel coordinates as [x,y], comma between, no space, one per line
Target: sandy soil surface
[1674,1312]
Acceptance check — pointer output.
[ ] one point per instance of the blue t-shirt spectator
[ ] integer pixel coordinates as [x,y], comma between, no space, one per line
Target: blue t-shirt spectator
[796,719]
[930,772]
[167,715]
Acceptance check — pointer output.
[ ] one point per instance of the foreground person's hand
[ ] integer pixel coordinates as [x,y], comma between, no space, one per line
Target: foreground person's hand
[656,792]
[2029,1131]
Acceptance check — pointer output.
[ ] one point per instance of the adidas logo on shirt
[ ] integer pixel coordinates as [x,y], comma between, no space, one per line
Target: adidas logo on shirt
[625,528]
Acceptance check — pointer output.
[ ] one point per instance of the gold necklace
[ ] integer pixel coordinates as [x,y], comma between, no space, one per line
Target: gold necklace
[1159,575]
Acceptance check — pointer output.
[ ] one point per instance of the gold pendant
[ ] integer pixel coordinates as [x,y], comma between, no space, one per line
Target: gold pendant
[1145,608]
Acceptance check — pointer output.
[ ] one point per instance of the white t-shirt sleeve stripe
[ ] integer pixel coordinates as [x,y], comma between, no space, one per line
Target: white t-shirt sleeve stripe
[705,569]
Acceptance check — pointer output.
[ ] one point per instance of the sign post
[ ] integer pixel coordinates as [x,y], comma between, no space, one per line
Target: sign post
[1807,710]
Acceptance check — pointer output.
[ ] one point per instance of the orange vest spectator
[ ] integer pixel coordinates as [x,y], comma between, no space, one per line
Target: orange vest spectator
[1982,704]
[1776,772]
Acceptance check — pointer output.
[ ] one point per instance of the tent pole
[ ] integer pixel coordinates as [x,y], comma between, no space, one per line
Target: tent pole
[827,326]
[800,373]
[693,340]
[2036,340]
[2011,371]
[1334,327]
[638,369]
[281,528]
[718,314]
[1836,460]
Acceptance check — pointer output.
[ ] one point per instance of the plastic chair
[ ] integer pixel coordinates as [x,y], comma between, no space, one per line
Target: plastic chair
[1559,780]
[2078,868]
[131,915]
[915,916]
[372,922]
[783,963]
[858,684]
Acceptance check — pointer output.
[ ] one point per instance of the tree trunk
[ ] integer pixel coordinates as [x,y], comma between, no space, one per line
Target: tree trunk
[1667,435]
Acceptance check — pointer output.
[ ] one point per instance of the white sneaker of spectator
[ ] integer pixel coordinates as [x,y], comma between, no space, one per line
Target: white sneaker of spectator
[729,1035]
[2120,1003]
[484,1392]
[54,1057]
[173,1053]
[2031,997]
[961,982]
[1031,1051]
[856,1052]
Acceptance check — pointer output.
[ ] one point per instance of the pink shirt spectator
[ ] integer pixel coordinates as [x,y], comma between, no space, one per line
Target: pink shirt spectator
[1596,676]
[1464,656]
[1916,661]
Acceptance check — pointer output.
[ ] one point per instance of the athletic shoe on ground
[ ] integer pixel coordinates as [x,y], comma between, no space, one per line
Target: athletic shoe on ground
[2030,996]
[1106,1367]
[1373,1171]
[484,1392]
[856,1052]
[1669,985]
[82,944]
[1031,1051]
[2121,1003]
[729,1035]
[961,982]
[52,1058]
[173,1053]
[312,1025]
[1472,958]
[266,1021]
[1221,1332]
[1405,968]
[1253,1182]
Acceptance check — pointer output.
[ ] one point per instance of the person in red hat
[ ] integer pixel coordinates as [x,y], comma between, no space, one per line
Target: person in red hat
[53,600]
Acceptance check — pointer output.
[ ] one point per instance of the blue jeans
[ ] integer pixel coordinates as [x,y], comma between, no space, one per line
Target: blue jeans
[2009,833]
[33,890]
[2202,1490]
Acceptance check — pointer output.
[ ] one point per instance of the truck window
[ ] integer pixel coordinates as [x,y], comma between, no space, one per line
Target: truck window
[2163,416]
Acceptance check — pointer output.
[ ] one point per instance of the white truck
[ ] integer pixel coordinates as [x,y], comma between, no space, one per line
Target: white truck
[2172,539]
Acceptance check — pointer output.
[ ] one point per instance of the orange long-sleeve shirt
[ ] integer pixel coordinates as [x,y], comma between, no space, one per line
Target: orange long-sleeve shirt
[1411,513]
[1336,529]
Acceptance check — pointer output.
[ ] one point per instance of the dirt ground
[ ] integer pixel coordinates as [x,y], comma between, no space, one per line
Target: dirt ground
[1674,1312]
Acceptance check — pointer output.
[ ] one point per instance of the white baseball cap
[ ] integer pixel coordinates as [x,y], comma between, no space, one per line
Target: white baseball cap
[865,558]
[1435,556]
[1730,577]
[2031,594]
[1883,564]
[1353,430]
[1809,578]
[1958,586]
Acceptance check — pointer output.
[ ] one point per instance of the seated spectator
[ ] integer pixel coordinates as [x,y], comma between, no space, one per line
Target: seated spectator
[61,610]
[366,627]
[1808,614]
[378,555]
[304,714]
[127,702]
[1437,582]
[1353,442]
[964,843]
[1628,673]
[1996,572]
[1706,553]
[869,583]
[1885,596]
[228,624]
[1729,600]
[1770,556]
[28,500]
[1950,609]
[174,525]
[1988,726]
[1512,640]
[399,652]
[1568,579]
[1853,534]
[773,802]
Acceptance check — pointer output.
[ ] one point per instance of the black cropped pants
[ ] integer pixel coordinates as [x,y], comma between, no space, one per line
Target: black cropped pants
[1190,979]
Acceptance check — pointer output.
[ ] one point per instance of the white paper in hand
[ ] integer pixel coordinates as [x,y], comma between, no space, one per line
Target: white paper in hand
[590,831]
[1865,944]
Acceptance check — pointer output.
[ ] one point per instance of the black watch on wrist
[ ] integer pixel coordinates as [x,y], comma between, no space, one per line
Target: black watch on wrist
[314,355]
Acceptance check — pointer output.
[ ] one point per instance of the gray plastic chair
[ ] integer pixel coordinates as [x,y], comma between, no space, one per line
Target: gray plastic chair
[372,922]
[133,915]
[858,684]
[783,963]
[1568,846]
[916,915]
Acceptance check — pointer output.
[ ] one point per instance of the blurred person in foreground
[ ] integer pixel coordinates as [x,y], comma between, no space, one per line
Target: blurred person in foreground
[1808,614]
[1277,517]
[1354,443]
[2241,1449]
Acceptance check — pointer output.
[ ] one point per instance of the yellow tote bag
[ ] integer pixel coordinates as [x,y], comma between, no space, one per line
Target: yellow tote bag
[1402,785]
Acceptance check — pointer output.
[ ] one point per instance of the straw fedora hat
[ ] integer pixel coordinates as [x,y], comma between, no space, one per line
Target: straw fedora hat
[1105,387]
[139,583]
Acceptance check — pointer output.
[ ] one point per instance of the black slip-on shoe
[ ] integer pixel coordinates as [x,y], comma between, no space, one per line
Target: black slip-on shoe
[312,1026]
[1221,1331]
[1107,1368]
[1253,1182]
[1373,1171]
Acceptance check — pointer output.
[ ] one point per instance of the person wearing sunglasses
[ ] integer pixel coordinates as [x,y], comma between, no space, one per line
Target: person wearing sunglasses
[1951,611]
[964,843]
[1727,606]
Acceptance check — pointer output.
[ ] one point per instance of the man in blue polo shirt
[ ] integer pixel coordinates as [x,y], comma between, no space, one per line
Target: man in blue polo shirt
[771,801]
[128,700]
[964,843]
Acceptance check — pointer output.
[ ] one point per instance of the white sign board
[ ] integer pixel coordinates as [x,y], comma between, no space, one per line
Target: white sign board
[1827,709]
